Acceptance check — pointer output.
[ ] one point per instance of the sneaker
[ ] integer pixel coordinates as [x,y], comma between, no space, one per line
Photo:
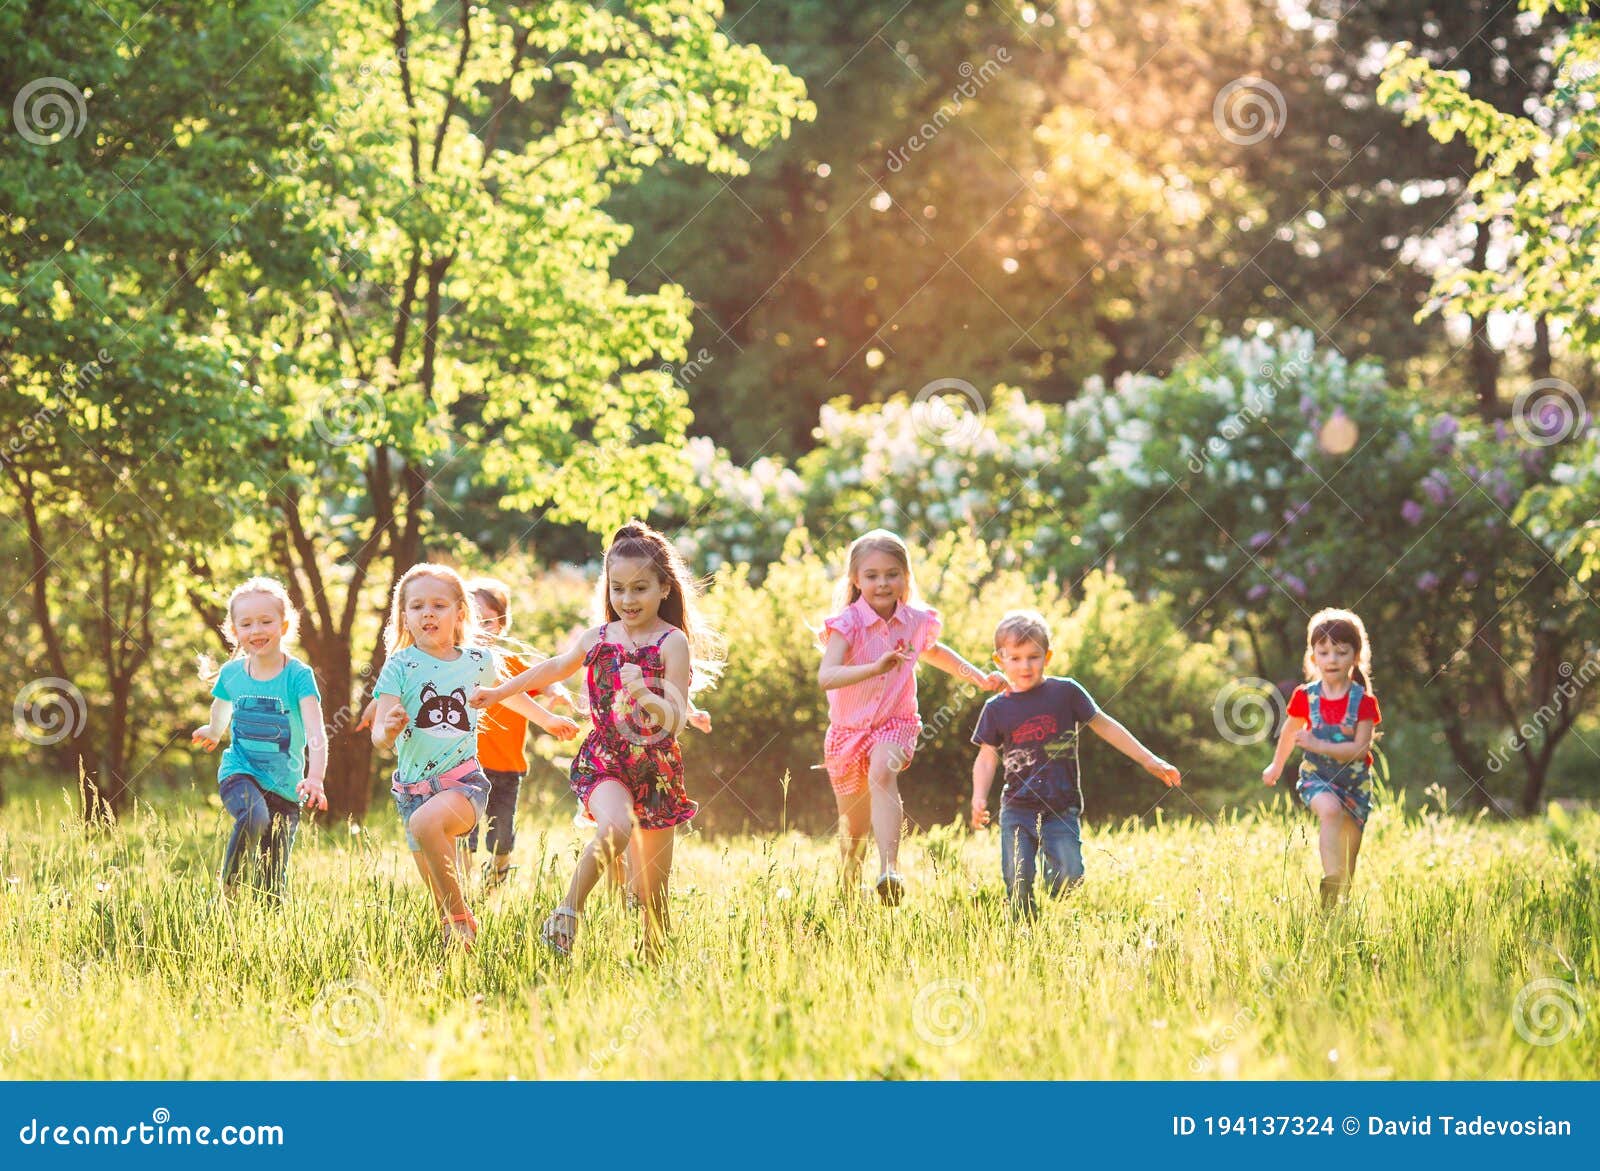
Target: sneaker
[494,876]
[891,888]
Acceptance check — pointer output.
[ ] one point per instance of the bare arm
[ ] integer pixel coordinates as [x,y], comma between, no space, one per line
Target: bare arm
[388,722]
[983,770]
[540,676]
[1124,741]
[1342,751]
[1280,755]
[834,674]
[210,734]
[951,663]
[310,789]
[525,705]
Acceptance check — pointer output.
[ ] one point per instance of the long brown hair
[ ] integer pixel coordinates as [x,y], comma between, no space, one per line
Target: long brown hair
[1340,627]
[637,541]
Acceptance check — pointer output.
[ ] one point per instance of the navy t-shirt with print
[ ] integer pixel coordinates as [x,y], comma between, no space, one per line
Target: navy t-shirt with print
[1036,734]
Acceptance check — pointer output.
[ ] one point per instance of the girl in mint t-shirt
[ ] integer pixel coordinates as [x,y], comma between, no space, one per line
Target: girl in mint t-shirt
[269,699]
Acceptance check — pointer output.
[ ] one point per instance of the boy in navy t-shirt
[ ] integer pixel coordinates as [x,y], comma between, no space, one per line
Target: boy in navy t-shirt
[1033,731]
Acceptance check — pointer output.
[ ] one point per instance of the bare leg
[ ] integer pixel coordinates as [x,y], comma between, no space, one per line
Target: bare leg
[611,806]
[1338,842]
[888,813]
[652,872]
[443,818]
[855,822]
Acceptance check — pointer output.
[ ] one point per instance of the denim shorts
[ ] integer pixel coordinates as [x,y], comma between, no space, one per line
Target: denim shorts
[474,787]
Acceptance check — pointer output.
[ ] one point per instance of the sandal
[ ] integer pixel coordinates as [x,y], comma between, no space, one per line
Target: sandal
[561,930]
[462,929]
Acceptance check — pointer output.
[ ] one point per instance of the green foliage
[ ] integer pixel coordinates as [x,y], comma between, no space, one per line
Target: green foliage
[770,716]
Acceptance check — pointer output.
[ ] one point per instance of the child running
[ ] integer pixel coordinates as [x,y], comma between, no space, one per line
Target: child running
[271,701]
[434,663]
[1033,732]
[871,645]
[628,773]
[1332,719]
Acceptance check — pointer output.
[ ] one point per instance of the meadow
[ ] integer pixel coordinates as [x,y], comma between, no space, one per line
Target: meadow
[1193,951]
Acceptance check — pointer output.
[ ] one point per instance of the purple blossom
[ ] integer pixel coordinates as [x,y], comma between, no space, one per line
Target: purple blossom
[1443,432]
[1437,485]
[1411,512]
[1290,515]
[1469,578]
[1532,460]
[1256,592]
[1428,582]
[1259,539]
[1295,585]
[1308,406]
[1501,432]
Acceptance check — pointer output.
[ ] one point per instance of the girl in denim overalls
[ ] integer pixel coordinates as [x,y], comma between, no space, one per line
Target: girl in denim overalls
[1332,719]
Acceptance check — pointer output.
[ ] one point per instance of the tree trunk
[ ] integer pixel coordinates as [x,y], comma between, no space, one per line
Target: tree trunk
[1540,364]
[1485,358]
[1532,785]
[349,779]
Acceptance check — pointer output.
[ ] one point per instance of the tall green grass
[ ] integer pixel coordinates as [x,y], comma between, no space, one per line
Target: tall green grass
[1193,950]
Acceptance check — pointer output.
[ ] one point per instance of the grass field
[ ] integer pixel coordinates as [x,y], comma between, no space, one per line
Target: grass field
[1470,951]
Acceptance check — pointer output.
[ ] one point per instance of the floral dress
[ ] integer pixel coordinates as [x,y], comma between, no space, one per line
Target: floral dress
[624,746]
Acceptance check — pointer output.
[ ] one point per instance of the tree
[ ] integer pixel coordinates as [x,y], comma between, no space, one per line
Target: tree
[466,308]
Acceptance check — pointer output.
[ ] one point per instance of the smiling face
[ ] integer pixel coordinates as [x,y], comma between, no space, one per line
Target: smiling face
[432,612]
[882,580]
[490,618]
[1022,662]
[257,620]
[635,590]
[1334,660]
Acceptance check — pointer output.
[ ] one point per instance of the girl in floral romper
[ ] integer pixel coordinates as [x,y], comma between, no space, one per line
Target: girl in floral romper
[1332,719]
[628,773]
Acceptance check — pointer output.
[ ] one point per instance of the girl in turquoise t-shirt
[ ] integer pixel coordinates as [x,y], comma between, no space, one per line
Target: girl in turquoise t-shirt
[435,662]
[270,700]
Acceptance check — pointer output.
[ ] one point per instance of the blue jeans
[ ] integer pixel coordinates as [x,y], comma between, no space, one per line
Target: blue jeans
[1022,832]
[263,828]
[501,834]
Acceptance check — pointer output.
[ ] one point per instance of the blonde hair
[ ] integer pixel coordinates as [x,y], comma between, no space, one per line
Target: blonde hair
[1340,626]
[637,541]
[497,592]
[1022,626]
[877,541]
[397,636]
[273,588]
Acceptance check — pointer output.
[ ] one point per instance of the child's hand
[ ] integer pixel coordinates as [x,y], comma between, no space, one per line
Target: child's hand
[204,737]
[1307,739]
[395,723]
[1163,772]
[310,791]
[699,718]
[631,676]
[562,728]
[994,681]
[367,713]
[980,813]
[890,659]
[483,697]
[1269,775]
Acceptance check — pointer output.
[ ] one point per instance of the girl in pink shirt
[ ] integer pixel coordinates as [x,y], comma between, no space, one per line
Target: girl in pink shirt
[871,646]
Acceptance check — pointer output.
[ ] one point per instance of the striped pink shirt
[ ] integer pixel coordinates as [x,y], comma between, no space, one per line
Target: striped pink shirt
[884,697]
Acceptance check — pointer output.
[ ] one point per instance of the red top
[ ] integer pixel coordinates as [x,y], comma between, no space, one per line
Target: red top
[1333,710]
